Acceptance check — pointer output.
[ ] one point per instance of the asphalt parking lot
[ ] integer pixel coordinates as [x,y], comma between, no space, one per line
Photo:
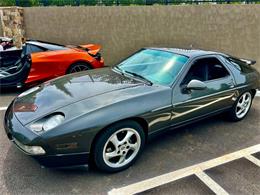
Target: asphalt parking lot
[165,153]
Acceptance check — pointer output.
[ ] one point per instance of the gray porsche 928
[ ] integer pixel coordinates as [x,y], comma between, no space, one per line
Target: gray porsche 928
[106,115]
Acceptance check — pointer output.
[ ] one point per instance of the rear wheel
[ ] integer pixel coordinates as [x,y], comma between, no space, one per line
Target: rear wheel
[78,67]
[118,146]
[241,106]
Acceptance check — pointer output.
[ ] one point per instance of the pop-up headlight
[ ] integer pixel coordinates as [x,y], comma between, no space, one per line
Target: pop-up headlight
[47,123]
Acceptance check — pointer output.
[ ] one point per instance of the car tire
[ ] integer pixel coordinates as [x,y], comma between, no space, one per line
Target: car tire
[78,67]
[118,146]
[241,107]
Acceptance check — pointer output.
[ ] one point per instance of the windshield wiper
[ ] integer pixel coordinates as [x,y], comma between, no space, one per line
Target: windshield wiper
[119,69]
[139,76]
[133,74]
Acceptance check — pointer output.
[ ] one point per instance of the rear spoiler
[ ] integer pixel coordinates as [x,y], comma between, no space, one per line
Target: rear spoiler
[245,61]
[248,62]
[92,48]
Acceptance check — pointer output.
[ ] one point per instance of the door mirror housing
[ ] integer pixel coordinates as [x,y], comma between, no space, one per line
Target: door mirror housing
[196,85]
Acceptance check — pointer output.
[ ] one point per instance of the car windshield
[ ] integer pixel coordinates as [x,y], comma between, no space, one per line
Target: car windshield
[157,66]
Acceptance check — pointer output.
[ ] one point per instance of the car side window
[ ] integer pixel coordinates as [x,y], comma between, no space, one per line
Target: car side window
[32,49]
[205,69]
[197,71]
[35,48]
[216,70]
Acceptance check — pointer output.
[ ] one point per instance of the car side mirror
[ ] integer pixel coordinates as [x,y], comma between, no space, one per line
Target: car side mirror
[196,85]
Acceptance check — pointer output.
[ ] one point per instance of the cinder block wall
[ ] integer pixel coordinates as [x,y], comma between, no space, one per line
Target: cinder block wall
[12,23]
[234,29]
[1,30]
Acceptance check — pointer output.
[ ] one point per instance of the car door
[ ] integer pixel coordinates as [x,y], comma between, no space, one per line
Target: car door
[188,105]
[9,57]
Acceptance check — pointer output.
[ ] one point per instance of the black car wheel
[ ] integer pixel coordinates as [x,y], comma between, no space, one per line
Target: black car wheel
[118,146]
[241,106]
[78,67]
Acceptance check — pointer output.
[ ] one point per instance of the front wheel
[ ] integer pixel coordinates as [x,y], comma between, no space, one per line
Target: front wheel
[241,106]
[118,146]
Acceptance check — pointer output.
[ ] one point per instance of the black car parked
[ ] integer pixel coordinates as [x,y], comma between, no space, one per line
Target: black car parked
[107,114]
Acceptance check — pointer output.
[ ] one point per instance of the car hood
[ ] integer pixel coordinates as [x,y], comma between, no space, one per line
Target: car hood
[52,95]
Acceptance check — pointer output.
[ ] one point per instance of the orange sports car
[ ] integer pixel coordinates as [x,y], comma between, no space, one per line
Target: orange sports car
[41,61]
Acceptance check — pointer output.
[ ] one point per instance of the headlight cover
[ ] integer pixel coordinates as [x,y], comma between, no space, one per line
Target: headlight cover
[47,123]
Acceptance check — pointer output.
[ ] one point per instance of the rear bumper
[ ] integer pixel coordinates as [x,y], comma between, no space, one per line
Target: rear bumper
[98,63]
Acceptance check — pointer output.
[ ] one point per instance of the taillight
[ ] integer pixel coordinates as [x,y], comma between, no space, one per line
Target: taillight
[97,56]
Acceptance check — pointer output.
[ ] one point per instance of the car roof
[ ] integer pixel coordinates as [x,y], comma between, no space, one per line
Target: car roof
[191,53]
[42,43]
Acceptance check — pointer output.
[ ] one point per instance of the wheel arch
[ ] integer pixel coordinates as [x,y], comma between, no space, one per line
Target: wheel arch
[253,92]
[141,121]
[79,61]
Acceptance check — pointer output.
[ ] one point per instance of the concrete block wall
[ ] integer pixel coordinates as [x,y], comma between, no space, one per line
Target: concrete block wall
[121,30]
[12,23]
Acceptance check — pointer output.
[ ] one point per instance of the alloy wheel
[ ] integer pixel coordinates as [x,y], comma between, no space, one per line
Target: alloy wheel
[121,147]
[243,105]
[79,68]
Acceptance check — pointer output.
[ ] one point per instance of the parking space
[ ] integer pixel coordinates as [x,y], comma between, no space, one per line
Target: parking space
[238,172]
[188,185]
[237,177]
[164,153]
[257,155]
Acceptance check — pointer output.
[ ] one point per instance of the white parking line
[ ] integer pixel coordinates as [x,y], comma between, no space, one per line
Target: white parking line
[217,189]
[258,93]
[181,173]
[253,160]
[3,108]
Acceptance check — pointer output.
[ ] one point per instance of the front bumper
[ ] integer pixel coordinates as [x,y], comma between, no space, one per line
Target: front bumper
[24,138]
[30,150]
[16,131]
[63,160]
